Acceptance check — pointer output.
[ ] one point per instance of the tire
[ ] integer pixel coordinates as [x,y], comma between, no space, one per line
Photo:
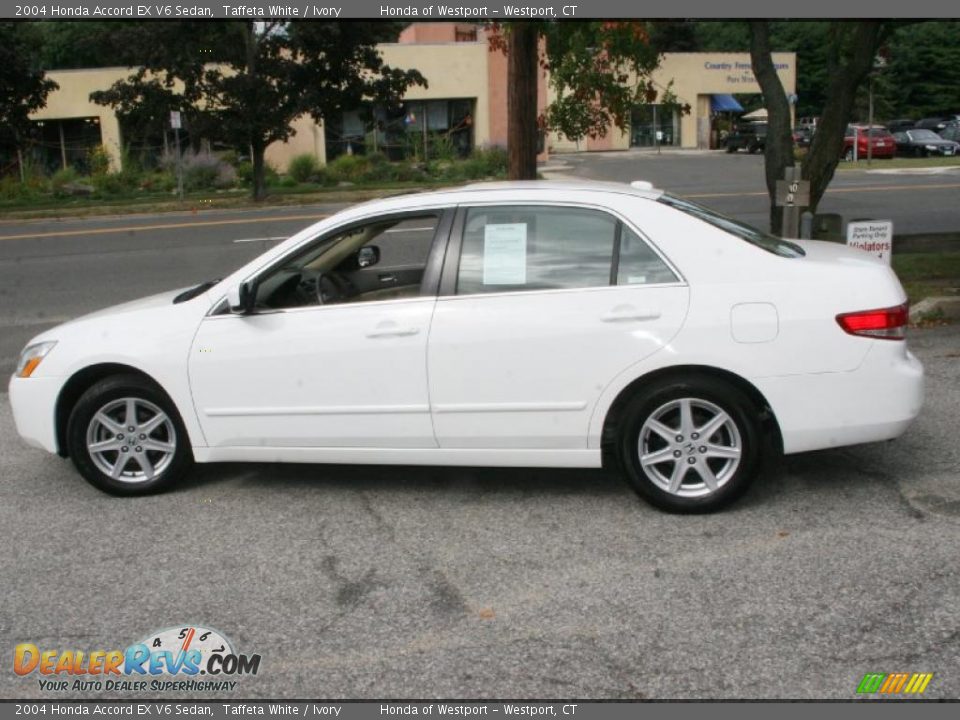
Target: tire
[151,458]
[731,460]
[731,148]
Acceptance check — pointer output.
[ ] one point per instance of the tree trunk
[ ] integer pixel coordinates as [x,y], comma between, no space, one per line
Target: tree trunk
[853,61]
[522,130]
[778,147]
[259,181]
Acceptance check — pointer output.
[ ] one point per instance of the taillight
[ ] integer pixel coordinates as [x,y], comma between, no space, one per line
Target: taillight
[886,323]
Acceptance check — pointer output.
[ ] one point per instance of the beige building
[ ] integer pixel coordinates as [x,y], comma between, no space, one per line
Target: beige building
[465,101]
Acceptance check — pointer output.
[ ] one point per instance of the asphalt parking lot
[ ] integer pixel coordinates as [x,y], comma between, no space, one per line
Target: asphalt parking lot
[366,582]
[371,582]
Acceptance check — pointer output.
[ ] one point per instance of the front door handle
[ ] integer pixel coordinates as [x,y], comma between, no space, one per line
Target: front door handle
[629,313]
[389,328]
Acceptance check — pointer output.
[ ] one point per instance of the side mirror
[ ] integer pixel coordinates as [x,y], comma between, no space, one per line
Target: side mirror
[240,298]
[367,256]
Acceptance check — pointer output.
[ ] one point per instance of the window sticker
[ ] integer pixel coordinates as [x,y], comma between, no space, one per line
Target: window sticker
[505,254]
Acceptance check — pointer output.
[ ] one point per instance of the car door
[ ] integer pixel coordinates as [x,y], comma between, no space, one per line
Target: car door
[348,372]
[541,307]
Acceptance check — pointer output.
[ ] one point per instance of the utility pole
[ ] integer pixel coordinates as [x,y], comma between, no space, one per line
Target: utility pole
[175,124]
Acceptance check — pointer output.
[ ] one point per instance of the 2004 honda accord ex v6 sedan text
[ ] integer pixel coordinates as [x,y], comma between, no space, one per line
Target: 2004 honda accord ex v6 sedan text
[514,324]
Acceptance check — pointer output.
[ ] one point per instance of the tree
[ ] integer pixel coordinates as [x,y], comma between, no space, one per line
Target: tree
[253,79]
[23,87]
[920,76]
[853,47]
[599,71]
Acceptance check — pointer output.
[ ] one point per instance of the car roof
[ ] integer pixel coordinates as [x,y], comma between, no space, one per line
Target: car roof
[522,189]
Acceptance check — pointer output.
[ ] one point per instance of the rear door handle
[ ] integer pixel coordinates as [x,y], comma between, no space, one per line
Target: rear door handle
[389,328]
[628,313]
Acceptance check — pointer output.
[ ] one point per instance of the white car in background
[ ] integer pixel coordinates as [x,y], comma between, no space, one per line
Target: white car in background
[504,324]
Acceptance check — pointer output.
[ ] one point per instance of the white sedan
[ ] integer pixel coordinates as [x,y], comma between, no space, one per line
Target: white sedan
[506,324]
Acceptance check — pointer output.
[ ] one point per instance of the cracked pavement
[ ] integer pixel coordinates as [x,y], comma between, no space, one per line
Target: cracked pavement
[398,582]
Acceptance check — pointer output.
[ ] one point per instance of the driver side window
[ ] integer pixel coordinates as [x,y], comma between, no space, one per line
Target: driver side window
[383,259]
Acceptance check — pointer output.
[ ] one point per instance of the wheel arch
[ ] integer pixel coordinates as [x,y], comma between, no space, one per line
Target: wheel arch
[611,422]
[83,380]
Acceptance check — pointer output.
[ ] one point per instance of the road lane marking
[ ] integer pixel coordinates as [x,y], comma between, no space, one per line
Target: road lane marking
[262,239]
[170,226]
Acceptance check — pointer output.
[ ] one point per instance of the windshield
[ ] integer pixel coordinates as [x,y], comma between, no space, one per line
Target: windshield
[924,135]
[752,235]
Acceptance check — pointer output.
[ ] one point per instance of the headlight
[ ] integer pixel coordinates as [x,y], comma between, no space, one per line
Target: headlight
[31,357]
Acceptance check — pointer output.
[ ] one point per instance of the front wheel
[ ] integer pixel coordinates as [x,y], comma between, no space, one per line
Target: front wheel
[690,445]
[126,437]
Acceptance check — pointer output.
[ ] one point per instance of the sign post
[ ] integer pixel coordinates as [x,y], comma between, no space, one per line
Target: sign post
[872,236]
[793,194]
[175,123]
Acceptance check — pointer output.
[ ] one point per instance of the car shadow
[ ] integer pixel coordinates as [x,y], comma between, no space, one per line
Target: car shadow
[411,478]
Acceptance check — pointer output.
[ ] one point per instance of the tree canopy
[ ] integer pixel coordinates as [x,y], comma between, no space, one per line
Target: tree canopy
[266,75]
[23,86]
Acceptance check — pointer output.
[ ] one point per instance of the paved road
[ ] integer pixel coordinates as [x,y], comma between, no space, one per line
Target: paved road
[407,582]
[734,184]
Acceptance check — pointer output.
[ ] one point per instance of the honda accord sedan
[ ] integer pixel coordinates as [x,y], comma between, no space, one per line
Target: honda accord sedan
[506,324]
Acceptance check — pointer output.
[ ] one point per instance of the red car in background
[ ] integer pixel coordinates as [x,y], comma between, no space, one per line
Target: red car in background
[882,144]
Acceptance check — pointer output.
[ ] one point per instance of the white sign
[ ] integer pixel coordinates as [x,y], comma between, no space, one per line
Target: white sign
[873,236]
[175,120]
[505,254]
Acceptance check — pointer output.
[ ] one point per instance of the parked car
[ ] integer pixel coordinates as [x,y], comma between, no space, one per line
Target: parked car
[921,143]
[934,123]
[803,135]
[898,125]
[951,132]
[504,324]
[749,136]
[877,142]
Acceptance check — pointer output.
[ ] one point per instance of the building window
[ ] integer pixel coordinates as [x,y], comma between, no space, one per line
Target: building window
[652,125]
[56,144]
[416,129]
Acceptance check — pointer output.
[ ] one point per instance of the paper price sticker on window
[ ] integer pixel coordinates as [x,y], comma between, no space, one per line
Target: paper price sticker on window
[872,236]
[505,254]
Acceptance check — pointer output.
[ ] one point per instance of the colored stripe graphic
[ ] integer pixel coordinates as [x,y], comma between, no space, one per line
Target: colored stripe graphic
[894,683]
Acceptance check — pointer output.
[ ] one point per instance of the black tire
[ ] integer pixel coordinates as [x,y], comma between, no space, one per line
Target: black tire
[693,495]
[168,466]
[731,148]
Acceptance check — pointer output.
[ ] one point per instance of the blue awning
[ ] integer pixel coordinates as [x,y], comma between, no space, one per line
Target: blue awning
[724,103]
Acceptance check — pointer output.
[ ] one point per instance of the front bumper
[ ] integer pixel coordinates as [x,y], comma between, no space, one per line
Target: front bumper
[34,402]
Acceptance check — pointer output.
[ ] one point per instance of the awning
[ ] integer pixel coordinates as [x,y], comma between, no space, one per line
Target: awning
[724,103]
[760,114]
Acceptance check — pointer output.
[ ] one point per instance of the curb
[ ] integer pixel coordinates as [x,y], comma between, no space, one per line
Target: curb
[946,307]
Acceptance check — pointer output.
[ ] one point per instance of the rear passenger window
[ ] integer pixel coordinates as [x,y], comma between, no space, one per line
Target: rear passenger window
[639,264]
[514,248]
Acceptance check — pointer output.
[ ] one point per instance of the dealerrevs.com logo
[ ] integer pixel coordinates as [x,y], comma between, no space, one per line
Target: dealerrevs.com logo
[187,658]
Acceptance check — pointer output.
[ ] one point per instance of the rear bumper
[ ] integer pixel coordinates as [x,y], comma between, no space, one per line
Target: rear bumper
[34,401]
[875,402]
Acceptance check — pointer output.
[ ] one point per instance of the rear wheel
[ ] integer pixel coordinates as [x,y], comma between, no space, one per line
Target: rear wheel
[690,445]
[126,437]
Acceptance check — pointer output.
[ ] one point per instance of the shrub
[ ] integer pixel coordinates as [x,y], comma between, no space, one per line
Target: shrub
[61,179]
[98,160]
[302,167]
[244,173]
[349,168]
[492,160]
